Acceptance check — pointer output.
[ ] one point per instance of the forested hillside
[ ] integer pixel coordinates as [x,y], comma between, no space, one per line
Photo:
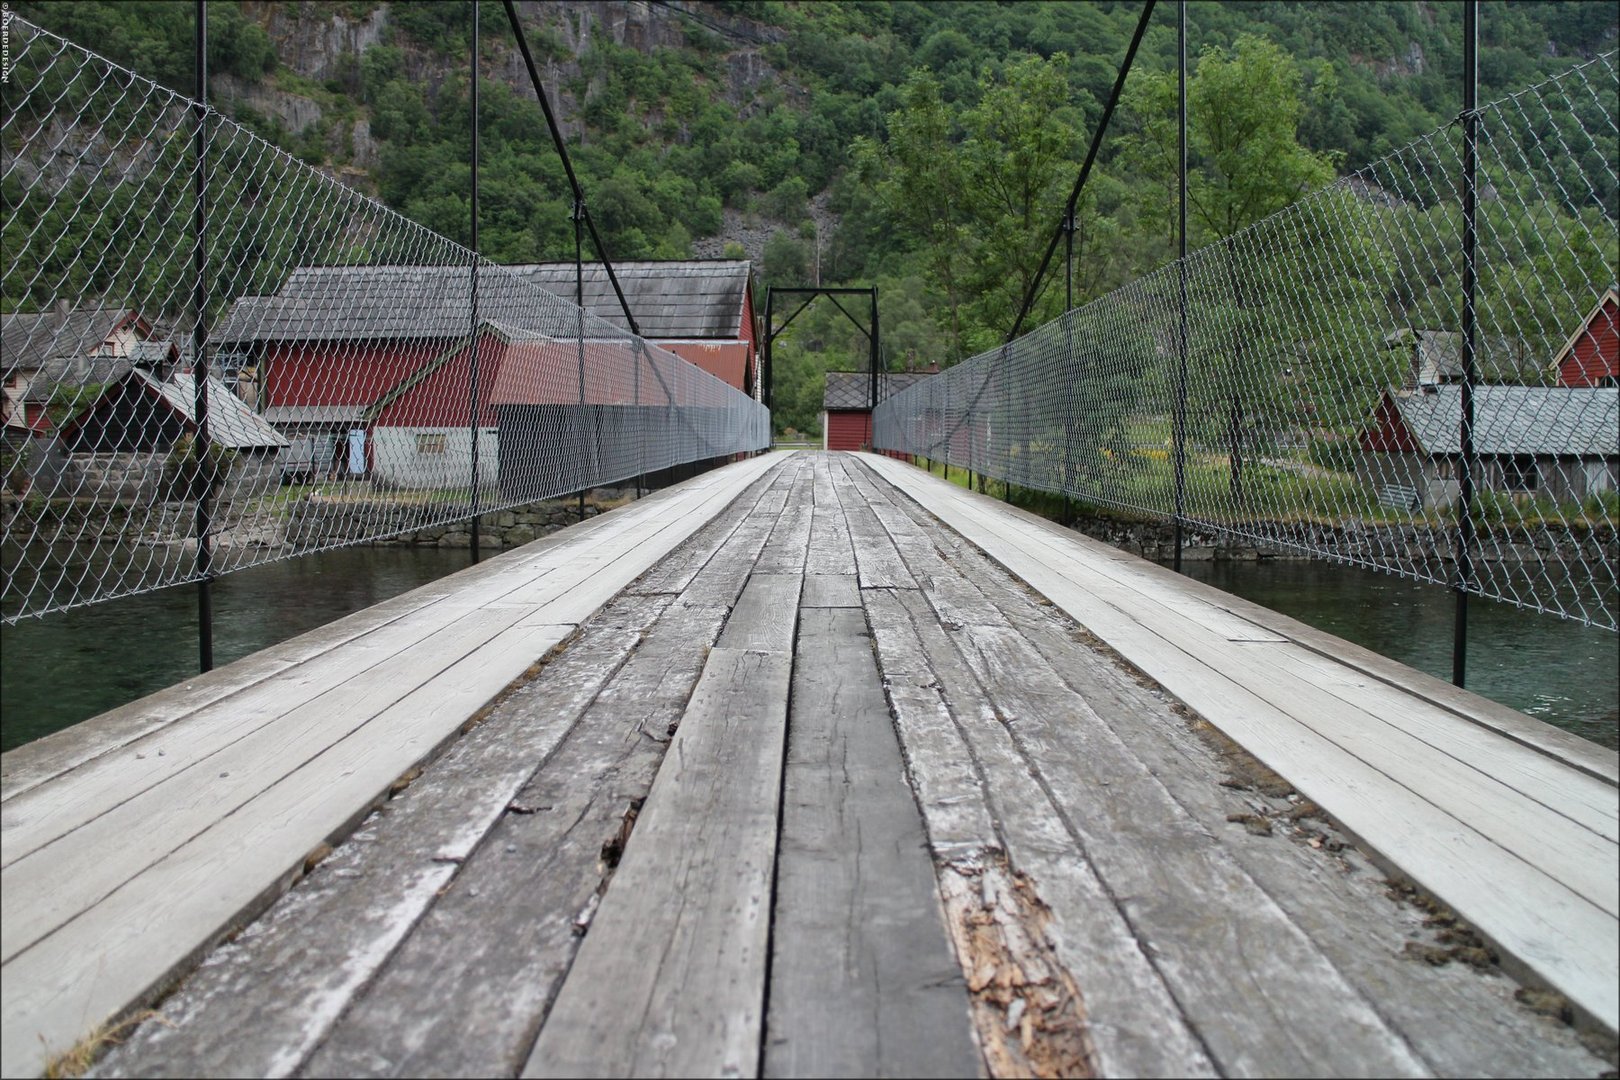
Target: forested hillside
[925,147]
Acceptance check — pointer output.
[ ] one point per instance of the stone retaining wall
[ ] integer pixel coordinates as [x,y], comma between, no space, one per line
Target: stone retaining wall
[1360,541]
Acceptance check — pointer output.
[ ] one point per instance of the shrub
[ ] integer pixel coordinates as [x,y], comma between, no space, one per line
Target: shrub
[188,476]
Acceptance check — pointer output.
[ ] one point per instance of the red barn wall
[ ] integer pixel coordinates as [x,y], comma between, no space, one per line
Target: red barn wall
[849,430]
[340,372]
[1596,354]
[1387,433]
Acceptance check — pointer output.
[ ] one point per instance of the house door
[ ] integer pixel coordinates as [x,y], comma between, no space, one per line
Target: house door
[357,451]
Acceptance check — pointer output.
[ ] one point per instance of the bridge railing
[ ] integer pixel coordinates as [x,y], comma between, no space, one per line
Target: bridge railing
[1319,405]
[363,376]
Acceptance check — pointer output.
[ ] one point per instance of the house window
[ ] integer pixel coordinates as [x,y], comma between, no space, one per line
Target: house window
[430,444]
[1520,474]
[1445,469]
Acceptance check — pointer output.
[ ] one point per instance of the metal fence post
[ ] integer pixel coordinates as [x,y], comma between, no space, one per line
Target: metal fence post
[1468,464]
[1068,356]
[579,302]
[201,444]
[472,390]
[1180,452]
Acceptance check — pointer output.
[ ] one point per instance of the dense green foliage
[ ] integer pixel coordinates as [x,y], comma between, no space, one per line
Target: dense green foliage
[944,136]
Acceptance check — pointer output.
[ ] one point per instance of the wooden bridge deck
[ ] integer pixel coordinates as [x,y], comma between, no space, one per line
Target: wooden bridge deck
[825,790]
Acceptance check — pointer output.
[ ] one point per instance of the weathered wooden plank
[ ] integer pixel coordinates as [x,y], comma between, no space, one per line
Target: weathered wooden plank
[877,562]
[863,978]
[1199,916]
[32,764]
[561,575]
[465,993]
[785,551]
[138,772]
[145,934]
[1536,921]
[943,770]
[83,867]
[117,952]
[263,1001]
[1135,1022]
[670,980]
[1570,749]
[830,591]
[1148,849]
[1587,798]
[1455,1017]
[765,615]
[676,571]
[831,551]
[1379,734]
[467,990]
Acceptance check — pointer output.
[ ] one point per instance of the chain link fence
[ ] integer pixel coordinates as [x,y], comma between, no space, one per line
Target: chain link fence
[365,376]
[1319,409]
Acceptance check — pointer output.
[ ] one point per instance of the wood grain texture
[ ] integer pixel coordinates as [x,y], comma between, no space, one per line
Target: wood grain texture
[863,978]
[765,615]
[670,980]
[1135,1022]
[116,953]
[466,993]
[1535,920]
[263,1002]
[830,591]
[1455,1017]
[831,550]
[1578,753]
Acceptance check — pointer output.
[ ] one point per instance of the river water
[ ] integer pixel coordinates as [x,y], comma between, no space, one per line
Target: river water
[63,668]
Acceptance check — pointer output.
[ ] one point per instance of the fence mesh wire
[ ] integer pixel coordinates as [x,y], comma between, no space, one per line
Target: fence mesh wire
[344,400]
[1324,375]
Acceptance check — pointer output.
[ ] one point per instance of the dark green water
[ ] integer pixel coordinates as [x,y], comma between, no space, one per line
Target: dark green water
[1555,670]
[64,668]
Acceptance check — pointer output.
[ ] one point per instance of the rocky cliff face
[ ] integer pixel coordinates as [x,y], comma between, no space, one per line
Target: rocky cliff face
[322,47]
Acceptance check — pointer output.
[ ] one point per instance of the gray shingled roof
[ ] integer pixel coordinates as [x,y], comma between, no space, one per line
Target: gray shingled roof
[700,298]
[1552,420]
[75,372]
[29,340]
[230,422]
[852,389]
[671,300]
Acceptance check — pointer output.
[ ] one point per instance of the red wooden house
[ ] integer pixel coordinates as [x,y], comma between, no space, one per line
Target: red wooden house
[60,356]
[368,370]
[846,402]
[1592,356]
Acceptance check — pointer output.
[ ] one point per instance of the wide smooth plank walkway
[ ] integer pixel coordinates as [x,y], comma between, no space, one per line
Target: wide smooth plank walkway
[826,791]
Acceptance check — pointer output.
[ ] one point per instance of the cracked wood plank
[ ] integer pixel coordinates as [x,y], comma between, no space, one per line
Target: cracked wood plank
[1135,1023]
[863,978]
[261,1003]
[670,980]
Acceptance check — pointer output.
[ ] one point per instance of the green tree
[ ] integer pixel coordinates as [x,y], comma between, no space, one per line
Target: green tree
[1245,163]
[919,180]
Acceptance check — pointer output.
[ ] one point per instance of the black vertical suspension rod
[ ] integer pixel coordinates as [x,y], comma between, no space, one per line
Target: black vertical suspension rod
[579,337]
[1181,274]
[1085,168]
[472,404]
[1465,499]
[568,165]
[877,364]
[582,211]
[1068,354]
[201,443]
